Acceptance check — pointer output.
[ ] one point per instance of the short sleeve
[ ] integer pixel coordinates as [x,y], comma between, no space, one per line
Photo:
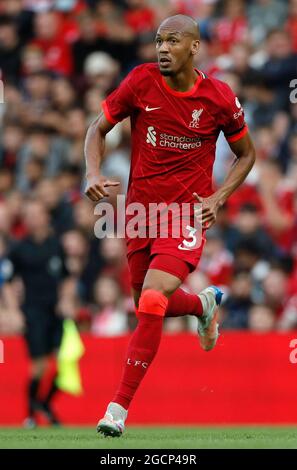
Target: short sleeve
[233,124]
[121,102]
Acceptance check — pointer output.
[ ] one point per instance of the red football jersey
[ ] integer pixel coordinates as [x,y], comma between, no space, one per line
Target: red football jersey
[173,133]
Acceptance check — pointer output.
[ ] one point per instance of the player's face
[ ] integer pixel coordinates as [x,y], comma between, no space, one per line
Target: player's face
[174,50]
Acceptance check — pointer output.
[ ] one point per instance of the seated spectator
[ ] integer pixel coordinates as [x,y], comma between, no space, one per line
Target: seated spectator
[280,67]
[265,15]
[84,249]
[63,95]
[32,60]
[13,105]
[139,16]
[34,172]
[76,249]
[261,319]
[146,48]
[69,182]
[37,89]
[6,181]
[276,290]
[92,100]
[60,210]
[10,50]
[74,130]
[21,14]
[249,226]
[56,50]
[240,61]
[234,312]
[40,146]
[288,318]
[90,40]
[11,143]
[119,37]
[216,262]
[265,106]
[108,318]
[113,251]
[247,255]
[69,303]
[110,22]
[232,27]
[101,71]
[14,203]
[278,203]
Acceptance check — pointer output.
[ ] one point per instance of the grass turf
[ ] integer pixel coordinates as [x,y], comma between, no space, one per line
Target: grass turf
[152,438]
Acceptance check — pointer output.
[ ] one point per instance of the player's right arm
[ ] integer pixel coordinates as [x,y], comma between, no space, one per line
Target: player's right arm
[120,104]
[96,184]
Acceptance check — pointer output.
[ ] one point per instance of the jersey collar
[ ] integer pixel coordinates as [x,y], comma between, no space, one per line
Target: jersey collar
[184,94]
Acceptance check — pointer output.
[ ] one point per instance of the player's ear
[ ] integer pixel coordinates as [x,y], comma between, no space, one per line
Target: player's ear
[195,46]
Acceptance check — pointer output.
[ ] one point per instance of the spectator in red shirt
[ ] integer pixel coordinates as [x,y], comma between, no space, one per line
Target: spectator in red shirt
[49,38]
[232,27]
[217,261]
[139,17]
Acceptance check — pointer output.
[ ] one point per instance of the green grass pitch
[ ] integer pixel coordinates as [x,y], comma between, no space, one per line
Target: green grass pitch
[152,438]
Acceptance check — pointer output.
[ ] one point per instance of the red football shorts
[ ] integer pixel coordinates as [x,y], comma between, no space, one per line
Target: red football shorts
[176,257]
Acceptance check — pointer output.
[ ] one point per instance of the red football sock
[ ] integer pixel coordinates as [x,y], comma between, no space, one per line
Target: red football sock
[143,346]
[181,303]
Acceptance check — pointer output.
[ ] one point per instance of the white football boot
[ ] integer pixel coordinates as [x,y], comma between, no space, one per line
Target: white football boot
[208,328]
[113,423]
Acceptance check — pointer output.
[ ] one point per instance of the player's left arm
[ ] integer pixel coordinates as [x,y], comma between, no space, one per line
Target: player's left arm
[245,157]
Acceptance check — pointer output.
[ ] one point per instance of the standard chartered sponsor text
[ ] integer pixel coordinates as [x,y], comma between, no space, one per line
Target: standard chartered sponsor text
[179,142]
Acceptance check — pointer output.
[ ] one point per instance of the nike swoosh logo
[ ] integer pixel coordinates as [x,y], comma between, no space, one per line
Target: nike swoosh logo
[147,108]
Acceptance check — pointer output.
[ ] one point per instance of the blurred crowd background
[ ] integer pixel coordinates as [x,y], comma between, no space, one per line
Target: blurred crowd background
[58,60]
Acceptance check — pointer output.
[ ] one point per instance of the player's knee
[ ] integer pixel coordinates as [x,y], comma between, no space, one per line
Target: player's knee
[152,302]
[159,286]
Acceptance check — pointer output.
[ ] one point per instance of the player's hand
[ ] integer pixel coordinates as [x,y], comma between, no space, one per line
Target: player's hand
[96,187]
[207,213]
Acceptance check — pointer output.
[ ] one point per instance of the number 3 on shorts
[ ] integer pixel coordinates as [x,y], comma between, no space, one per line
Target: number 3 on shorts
[188,245]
